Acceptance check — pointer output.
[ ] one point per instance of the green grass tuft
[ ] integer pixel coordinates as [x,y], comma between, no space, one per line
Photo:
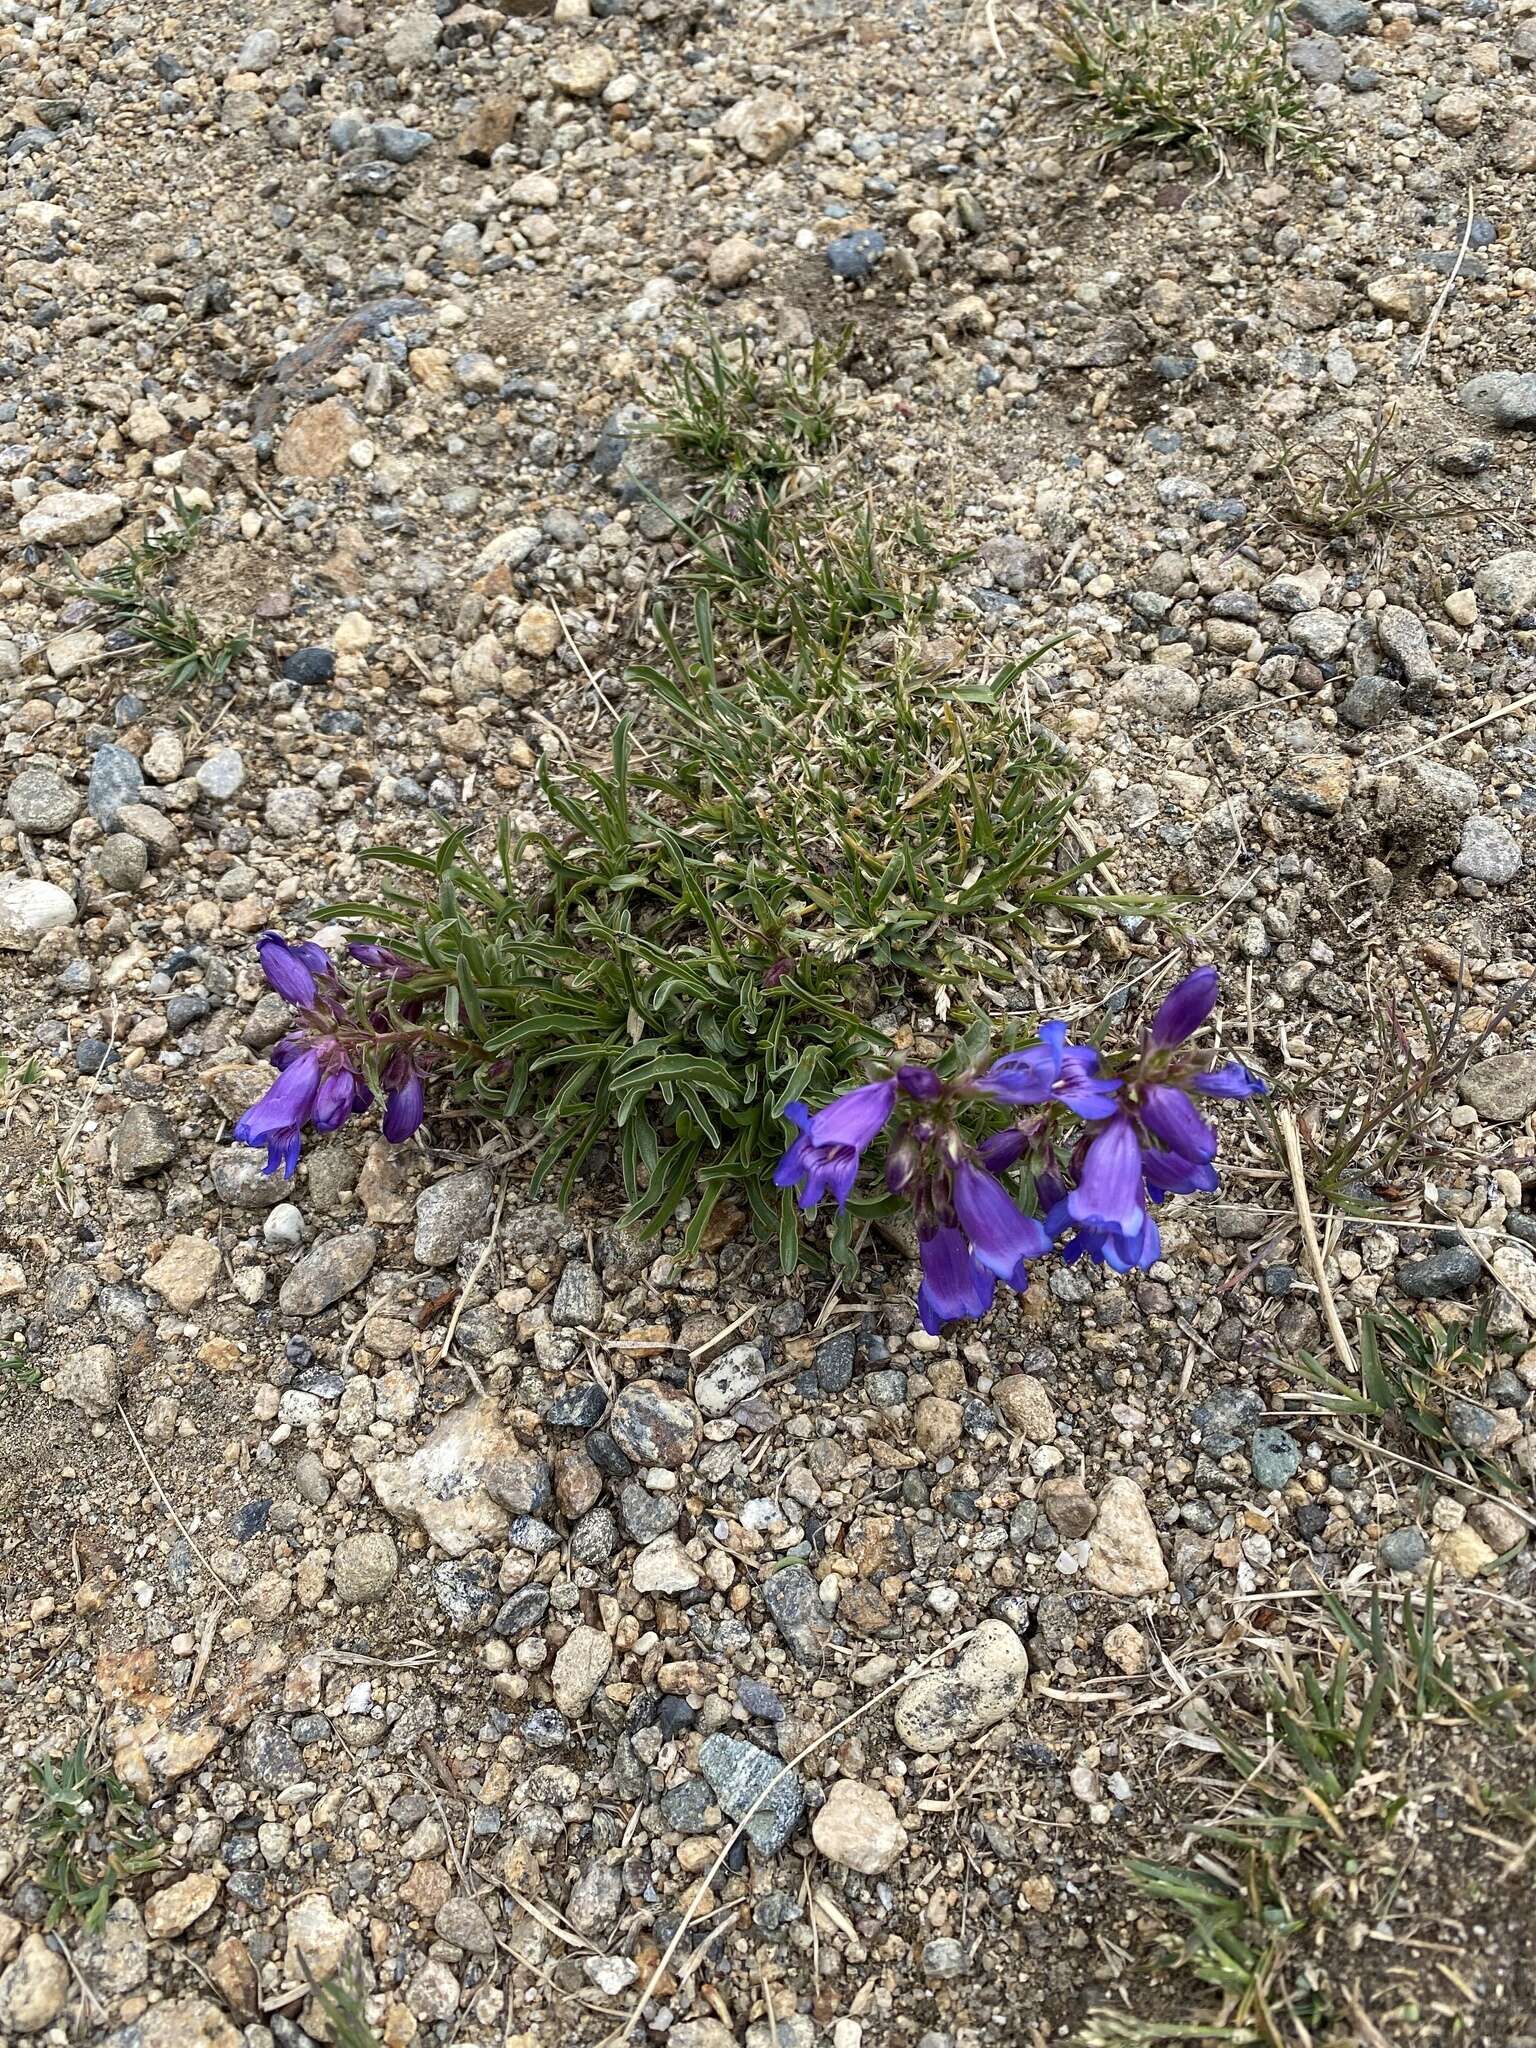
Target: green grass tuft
[91,1834]
[1362,486]
[165,637]
[1205,78]
[726,422]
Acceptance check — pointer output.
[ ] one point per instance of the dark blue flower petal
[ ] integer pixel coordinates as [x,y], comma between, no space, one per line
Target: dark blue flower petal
[1233,1082]
[1185,1008]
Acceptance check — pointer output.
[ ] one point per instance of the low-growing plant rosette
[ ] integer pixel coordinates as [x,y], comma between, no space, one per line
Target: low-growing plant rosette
[1094,1147]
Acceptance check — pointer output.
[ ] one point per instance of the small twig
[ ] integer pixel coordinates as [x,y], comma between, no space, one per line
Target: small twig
[170,1508]
[1445,293]
[1291,1145]
[469,1288]
[1458,732]
[204,1650]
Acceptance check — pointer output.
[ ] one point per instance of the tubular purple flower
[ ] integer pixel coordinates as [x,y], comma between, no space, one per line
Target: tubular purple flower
[1185,1008]
[826,1155]
[1052,1071]
[292,969]
[1003,1149]
[405,1104]
[1002,1236]
[1109,1191]
[382,959]
[1169,1116]
[954,1285]
[919,1083]
[278,1118]
[341,1091]
[1232,1082]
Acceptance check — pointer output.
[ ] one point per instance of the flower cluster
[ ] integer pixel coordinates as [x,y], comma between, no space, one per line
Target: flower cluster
[328,1063]
[1096,1147]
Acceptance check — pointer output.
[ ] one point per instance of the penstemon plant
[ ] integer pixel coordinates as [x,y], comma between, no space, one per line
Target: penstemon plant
[1095,1145]
[1090,1143]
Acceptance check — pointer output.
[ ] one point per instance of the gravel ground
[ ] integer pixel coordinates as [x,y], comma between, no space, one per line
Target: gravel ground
[449,1666]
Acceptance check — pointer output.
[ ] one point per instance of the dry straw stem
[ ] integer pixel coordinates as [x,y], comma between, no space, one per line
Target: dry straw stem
[1291,1146]
[868,1706]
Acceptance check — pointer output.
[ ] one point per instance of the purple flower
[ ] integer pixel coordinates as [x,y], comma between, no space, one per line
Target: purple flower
[826,1155]
[405,1100]
[1052,1071]
[1232,1082]
[278,1119]
[383,960]
[919,1083]
[294,969]
[1001,1236]
[1109,1194]
[954,1284]
[1185,1008]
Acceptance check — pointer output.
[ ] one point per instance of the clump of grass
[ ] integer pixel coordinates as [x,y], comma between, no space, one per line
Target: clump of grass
[820,832]
[1412,1375]
[170,638]
[1205,78]
[341,2000]
[1361,485]
[17,1370]
[723,419]
[1304,1828]
[1368,1147]
[91,1834]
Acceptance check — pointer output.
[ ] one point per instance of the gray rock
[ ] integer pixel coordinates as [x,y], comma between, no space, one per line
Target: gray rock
[1335,17]
[146,1142]
[1372,702]
[1444,788]
[119,864]
[331,1270]
[240,1179]
[985,1686]
[1318,59]
[464,1923]
[221,775]
[271,1757]
[730,1380]
[1472,1425]
[1504,398]
[42,803]
[33,1987]
[67,519]
[1507,583]
[1402,1550]
[364,1567]
[1320,633]
[646,1515]
[259,51]
[466,1591]
[399,144]
[578,1302]
[791,1597]
[116,779]
[90,1380]
[855,256]
[745,1777]
[450,1214]
[1275,1458]
[1489,851]
[1442,1275]
[1401,635]
[291,812]
[655,1426]
[1502,1088]
[1226,1419]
